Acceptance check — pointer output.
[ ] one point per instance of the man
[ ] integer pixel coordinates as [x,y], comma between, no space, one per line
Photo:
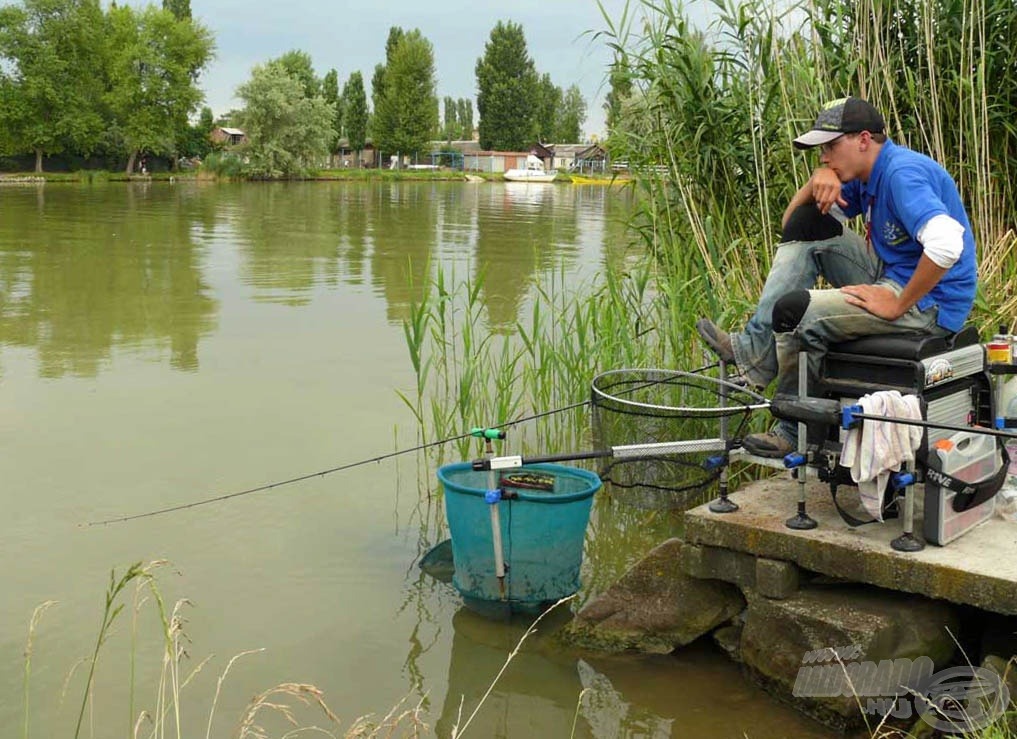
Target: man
[914,271]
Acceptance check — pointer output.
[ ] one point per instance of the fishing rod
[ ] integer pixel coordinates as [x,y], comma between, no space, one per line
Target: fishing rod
[351,465]
[322,473]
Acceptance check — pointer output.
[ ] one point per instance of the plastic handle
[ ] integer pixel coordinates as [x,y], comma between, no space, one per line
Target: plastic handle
[794,460]
[902,480]
[847,415]
[480,433]
[712,463]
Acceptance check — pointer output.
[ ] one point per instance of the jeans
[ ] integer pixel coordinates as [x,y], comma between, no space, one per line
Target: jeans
[841,260]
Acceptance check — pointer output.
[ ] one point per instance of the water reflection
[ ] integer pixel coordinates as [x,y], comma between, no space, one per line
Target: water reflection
[402,229]
[536,696]
[289,235]
[522,228]
[85,271]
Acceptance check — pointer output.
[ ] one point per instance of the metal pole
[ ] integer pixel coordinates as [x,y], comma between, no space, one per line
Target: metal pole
[801,520]
[493,500]
[723,504]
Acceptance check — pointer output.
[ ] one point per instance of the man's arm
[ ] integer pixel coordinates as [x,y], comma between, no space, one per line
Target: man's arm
[883,303]
[823,189]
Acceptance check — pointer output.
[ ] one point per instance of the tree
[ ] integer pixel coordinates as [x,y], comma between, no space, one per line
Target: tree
[465,118]
[154,60]
[287,131]
[298,64]
[621,89]
[572,117]
[181,9]
[506,87]
[548,109]
[50,52]
[355,113]
[196,142]
[450,130]
[406,116]
[330,91]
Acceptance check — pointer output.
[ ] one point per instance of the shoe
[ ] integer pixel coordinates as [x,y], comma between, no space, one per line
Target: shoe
[771,444]
[719,341]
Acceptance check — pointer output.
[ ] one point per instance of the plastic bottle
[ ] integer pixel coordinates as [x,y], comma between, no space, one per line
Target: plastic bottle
[999,350]
[1007,503]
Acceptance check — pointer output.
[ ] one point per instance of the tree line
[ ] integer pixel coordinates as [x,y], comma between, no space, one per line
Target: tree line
[84,83]
[77,79]
[291,118]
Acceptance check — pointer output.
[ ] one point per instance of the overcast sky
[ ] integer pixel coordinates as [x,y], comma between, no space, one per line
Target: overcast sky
[348,36]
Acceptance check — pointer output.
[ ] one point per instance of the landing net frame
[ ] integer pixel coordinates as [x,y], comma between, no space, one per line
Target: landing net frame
[650,407]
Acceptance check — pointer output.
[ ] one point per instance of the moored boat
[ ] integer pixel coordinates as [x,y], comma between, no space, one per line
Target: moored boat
[534,172]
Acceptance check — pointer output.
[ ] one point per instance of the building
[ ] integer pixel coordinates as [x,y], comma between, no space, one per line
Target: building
[227,136]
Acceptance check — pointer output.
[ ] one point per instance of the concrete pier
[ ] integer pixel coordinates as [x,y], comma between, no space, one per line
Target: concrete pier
[978,569]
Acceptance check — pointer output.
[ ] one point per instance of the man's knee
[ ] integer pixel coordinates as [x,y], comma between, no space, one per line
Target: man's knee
[789,310]
[806,223]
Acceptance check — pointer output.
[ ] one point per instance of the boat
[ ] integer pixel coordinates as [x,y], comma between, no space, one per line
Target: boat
[534,172]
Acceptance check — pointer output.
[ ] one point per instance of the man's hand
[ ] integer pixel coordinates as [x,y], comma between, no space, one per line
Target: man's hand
[881,302]
[826,189]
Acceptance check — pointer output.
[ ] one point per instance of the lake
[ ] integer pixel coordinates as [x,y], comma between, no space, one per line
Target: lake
[163,344]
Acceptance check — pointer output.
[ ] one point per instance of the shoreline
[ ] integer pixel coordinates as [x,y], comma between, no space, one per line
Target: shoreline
[363,175]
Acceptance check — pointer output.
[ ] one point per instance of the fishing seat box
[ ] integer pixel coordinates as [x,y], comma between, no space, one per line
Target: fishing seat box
[947,373]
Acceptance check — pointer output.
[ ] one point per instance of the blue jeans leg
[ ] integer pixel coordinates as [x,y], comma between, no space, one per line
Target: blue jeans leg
[841,260]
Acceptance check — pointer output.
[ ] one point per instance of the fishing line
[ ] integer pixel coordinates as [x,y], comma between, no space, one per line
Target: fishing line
[322,473]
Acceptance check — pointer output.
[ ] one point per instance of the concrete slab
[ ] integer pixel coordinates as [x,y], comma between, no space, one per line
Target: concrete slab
[978,569]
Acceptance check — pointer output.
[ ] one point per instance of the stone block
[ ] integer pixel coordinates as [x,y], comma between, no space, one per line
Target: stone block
[776,578]
[654,607]
[782,641]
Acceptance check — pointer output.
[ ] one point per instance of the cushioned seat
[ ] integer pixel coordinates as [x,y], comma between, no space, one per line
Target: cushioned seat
[907,345]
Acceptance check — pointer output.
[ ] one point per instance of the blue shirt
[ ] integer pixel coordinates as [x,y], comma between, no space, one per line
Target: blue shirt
[905,190]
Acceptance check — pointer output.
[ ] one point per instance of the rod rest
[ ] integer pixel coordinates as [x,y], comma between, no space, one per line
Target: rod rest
[907,345]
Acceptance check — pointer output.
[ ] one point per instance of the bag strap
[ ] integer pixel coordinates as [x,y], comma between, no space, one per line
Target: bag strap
[968,494]
[889,510]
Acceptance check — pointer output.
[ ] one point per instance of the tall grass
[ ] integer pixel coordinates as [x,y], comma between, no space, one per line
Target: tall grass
[167,711]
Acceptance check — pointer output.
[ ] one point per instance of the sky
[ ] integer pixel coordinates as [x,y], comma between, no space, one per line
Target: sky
[349,36]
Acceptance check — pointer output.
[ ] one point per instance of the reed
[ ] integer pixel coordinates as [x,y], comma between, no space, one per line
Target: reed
[165,718]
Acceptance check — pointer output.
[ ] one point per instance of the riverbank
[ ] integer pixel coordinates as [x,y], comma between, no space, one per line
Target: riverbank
[327,175]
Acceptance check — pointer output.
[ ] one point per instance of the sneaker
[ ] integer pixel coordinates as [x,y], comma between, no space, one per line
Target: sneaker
[719,341]
[771,444]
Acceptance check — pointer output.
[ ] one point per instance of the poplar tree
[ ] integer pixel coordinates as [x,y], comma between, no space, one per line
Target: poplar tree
[506,89]
[451,128]
[355,114]
[548,109]
[406,116]
[572,117]
[330,91]
[465,117]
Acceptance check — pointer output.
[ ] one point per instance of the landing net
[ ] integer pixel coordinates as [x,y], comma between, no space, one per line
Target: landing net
[641,407]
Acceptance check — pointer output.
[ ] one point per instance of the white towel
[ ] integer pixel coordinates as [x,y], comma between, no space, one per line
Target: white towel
[875,449]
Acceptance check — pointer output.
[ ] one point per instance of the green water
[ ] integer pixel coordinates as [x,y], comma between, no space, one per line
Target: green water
[165,343]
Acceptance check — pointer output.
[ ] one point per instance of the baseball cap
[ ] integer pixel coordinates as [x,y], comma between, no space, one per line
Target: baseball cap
[847,115]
